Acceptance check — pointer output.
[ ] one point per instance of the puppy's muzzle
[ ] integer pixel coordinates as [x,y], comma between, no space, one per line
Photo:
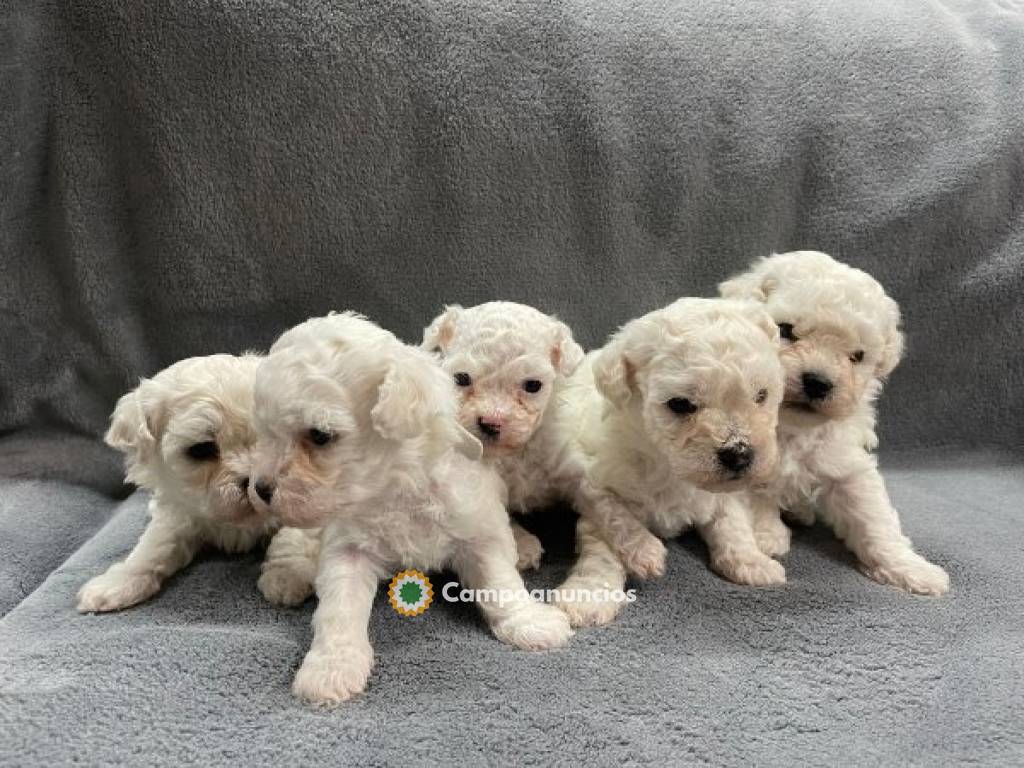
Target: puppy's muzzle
[489,428]
[736,458]
[815,386]
[265,490]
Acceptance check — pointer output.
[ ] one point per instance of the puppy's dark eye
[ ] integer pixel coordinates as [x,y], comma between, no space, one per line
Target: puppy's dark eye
[463,379]
[533,385]
[857,357]
[319,437]
[786,331]
[203,451]
[762,395]
[681,406]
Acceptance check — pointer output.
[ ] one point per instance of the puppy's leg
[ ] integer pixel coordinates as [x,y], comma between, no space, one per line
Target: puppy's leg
[772,536]
[863,517]
[528,548]
[639,550]
[514,618]
[735,554]
[597,573]
[800,513]
[289,568]
[166,546]
[339,661]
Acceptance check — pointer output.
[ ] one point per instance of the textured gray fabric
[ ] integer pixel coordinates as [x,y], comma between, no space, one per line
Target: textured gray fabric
[193,177]
[830,669]
[41,524]
[54,455]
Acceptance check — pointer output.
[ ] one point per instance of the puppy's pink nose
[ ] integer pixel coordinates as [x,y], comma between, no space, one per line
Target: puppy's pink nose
[490,427]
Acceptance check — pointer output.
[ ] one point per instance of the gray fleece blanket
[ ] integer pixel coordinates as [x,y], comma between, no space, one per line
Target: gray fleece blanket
[189,177]
[830,669]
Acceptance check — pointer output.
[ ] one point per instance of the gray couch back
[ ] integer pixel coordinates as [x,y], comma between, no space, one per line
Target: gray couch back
[197,180]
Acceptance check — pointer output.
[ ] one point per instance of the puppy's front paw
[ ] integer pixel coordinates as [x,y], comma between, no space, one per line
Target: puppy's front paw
[282,585]
[332,678]
[911,573]
[773,538]
[646,558]
[117,589]
[528,550]
[534,627]
[587,602]
[754,568]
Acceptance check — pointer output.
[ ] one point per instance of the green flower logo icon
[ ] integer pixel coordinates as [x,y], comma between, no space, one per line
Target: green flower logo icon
[410,593]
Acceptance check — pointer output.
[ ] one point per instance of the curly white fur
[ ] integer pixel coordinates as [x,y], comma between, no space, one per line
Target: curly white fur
[510,363]
[674,470]
[357,434]
[201,401]
[844,340]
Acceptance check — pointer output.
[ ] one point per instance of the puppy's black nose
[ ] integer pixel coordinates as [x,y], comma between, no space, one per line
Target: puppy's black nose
[736,458]
[489,428]
[265,491]
[815,387]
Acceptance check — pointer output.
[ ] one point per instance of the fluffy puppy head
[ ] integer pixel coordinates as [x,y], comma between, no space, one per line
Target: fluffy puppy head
[187,433]
[504,359]
[840,331]
[701,379]
[344,410]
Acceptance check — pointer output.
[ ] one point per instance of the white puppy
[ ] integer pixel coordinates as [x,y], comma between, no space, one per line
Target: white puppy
[509,363]
[288,572]
[678,412]
[186,435]
[357,434]
[841,338]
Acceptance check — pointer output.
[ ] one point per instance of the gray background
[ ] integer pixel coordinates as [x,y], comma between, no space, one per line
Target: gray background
[193,177]
[189,177]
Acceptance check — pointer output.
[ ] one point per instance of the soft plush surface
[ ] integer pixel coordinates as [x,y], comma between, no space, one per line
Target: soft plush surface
[194,176]
[830,668]
[42,523]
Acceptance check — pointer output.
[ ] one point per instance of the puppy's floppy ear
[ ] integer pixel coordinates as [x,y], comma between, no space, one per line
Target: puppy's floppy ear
[764,321]
[892,341]
[614,373]
[566,354]
[756,284]
[136,423]
[439,334]
[413,393]
[460,438]
[129,430]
